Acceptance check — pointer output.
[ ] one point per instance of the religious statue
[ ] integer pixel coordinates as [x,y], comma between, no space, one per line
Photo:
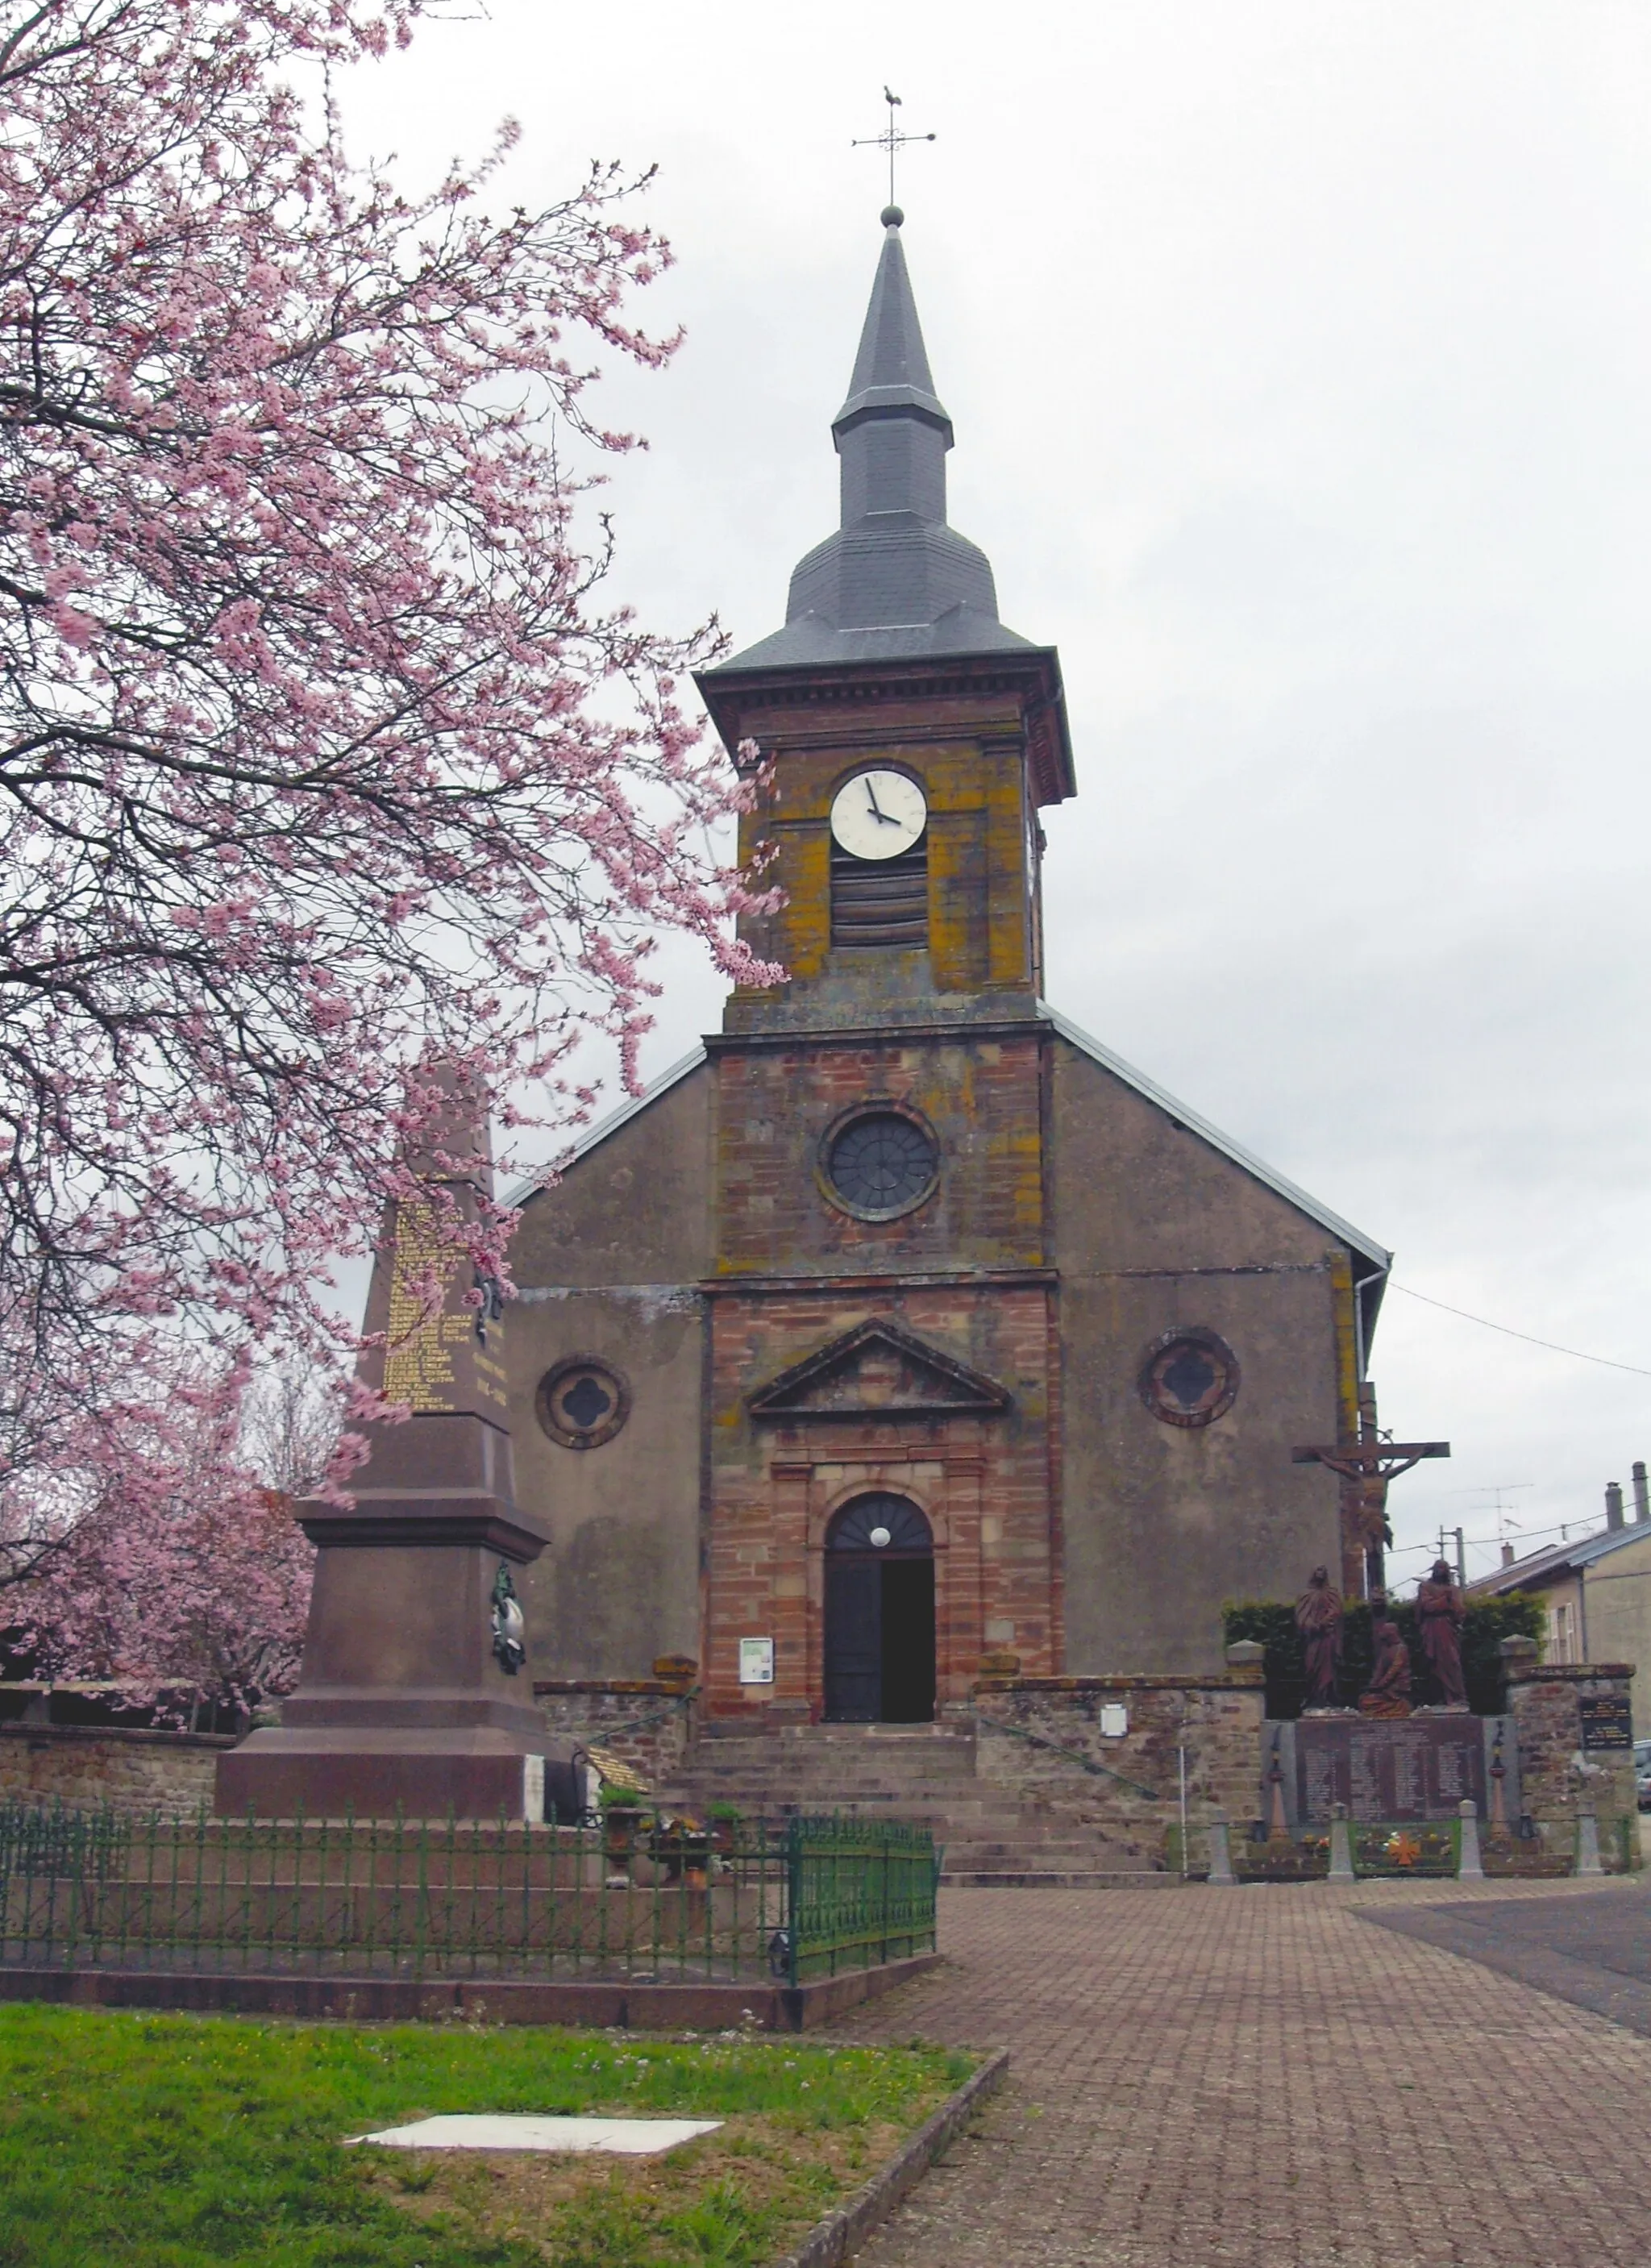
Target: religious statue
[1388,1692]
[506,1621]
[1366,1465]
[1319,1617]
[1441,1611]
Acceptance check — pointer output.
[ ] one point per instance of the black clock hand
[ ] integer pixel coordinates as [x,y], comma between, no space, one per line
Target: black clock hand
[882,816]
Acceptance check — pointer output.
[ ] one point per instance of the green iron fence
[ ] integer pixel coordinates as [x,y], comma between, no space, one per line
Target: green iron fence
[858,1892]
[642,1895]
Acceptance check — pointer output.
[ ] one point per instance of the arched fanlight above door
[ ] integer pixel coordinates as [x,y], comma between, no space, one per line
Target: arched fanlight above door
[880,1522]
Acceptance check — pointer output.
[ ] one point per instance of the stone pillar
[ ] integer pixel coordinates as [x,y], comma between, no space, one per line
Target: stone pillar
[1220,1850]
[1556,1726]
[1340,1846]
[1469,1866]
[411,1696]
[1588,1840]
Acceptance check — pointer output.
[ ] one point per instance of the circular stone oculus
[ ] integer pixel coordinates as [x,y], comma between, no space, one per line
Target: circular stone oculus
[1190,1378]
[582,1402]
[881,1164]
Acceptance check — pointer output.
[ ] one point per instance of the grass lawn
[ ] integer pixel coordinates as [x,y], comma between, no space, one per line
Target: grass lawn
[174,2141]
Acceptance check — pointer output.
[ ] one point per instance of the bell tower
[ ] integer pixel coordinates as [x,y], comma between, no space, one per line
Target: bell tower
[879,1197]
[893,665]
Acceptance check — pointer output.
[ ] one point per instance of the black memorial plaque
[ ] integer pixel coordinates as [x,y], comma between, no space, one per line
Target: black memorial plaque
[1389,1768]
[1606,1721]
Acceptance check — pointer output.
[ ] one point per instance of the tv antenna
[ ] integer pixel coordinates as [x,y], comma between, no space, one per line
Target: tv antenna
[1496,1490]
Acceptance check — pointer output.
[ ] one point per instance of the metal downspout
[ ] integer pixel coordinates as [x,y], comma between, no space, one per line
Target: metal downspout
[1362,1353]
[1581,1611]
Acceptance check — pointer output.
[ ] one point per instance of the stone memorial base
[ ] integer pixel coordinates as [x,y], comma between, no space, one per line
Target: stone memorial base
[327,1771]
[1393,1768]
[405,1704]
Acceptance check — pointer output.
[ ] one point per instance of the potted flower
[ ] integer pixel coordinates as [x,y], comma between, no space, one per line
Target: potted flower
[723,1819]
[683,1844]
[622,1812]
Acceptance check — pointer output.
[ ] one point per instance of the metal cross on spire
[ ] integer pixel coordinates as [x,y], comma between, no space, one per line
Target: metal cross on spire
[892,140]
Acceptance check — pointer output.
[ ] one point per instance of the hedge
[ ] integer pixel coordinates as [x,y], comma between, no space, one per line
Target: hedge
[1271,1622]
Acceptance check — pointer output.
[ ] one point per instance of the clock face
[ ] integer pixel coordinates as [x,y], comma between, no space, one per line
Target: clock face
[879,815]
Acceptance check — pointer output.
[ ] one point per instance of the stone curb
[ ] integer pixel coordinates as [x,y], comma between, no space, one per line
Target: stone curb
[841,2234]
[609,2003]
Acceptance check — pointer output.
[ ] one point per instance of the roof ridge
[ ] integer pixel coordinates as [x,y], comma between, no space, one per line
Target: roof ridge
[1279,1183]
[530,1184]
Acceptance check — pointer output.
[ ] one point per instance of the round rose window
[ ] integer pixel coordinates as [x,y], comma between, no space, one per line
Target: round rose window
[881,1164]
[582,1402]
[1190,1378]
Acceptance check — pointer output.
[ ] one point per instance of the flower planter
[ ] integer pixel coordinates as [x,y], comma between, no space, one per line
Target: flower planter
[620,1823]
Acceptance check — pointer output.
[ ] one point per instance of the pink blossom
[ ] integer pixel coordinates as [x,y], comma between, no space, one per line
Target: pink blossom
[326,758]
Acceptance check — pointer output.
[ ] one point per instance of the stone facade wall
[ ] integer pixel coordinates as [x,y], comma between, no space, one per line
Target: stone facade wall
[982,1482]
[644,1721]
[609,1262]
[969,749]
[1154,1230]
[1544,1701]
[171,1773]
[1037,1734]
[963,1271]
[981,1092]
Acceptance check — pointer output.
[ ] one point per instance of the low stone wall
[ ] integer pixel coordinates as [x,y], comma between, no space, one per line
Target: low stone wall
[1559,1775]
[1049,1737]
[646,1720]
[171,1773]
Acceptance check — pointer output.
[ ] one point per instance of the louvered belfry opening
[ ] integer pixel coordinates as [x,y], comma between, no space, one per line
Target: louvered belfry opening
[884,902]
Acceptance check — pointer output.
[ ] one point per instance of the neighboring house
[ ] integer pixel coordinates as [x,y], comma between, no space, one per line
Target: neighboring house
[1597,1592]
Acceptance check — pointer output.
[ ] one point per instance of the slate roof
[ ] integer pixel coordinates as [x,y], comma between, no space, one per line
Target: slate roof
[594,1136]
[891,369]
[893,579]
[1563,1558]
[1365,1247]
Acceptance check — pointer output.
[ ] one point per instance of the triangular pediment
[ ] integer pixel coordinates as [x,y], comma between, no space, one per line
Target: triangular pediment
[878,1370]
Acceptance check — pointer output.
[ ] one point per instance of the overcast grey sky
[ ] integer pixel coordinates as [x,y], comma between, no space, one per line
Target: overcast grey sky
[1299,357]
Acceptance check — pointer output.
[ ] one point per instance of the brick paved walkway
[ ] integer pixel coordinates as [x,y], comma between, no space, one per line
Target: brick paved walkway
[1257,2077]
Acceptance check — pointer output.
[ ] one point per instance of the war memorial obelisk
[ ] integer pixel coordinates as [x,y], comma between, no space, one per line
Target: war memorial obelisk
[412,1697]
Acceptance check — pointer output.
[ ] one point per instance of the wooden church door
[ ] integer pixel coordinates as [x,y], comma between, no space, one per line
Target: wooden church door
[880,1613]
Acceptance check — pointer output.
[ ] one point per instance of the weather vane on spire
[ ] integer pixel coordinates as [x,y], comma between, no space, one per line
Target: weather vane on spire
[892,140]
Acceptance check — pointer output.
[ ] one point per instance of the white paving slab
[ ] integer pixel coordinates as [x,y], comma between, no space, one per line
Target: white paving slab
[630,2138]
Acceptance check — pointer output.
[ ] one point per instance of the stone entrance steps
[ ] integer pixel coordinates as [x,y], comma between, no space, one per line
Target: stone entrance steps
[991,1834]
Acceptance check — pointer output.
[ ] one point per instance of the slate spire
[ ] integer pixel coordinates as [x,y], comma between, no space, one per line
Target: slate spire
[892,578]
[891,371]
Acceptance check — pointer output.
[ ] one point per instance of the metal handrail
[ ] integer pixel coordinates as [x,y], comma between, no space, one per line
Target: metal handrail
[1073,1756]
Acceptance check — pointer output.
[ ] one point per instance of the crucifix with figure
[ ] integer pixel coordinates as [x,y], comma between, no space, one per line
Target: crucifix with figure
[894,141]
[1365,1469]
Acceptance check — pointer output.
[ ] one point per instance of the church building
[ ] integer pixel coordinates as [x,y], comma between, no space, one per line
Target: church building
[902,1330]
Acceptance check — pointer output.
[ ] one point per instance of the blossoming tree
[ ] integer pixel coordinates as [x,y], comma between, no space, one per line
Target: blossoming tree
[323,760]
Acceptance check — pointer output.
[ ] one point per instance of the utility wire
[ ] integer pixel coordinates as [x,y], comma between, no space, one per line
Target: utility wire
[1604,1361]
[1525,1535]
